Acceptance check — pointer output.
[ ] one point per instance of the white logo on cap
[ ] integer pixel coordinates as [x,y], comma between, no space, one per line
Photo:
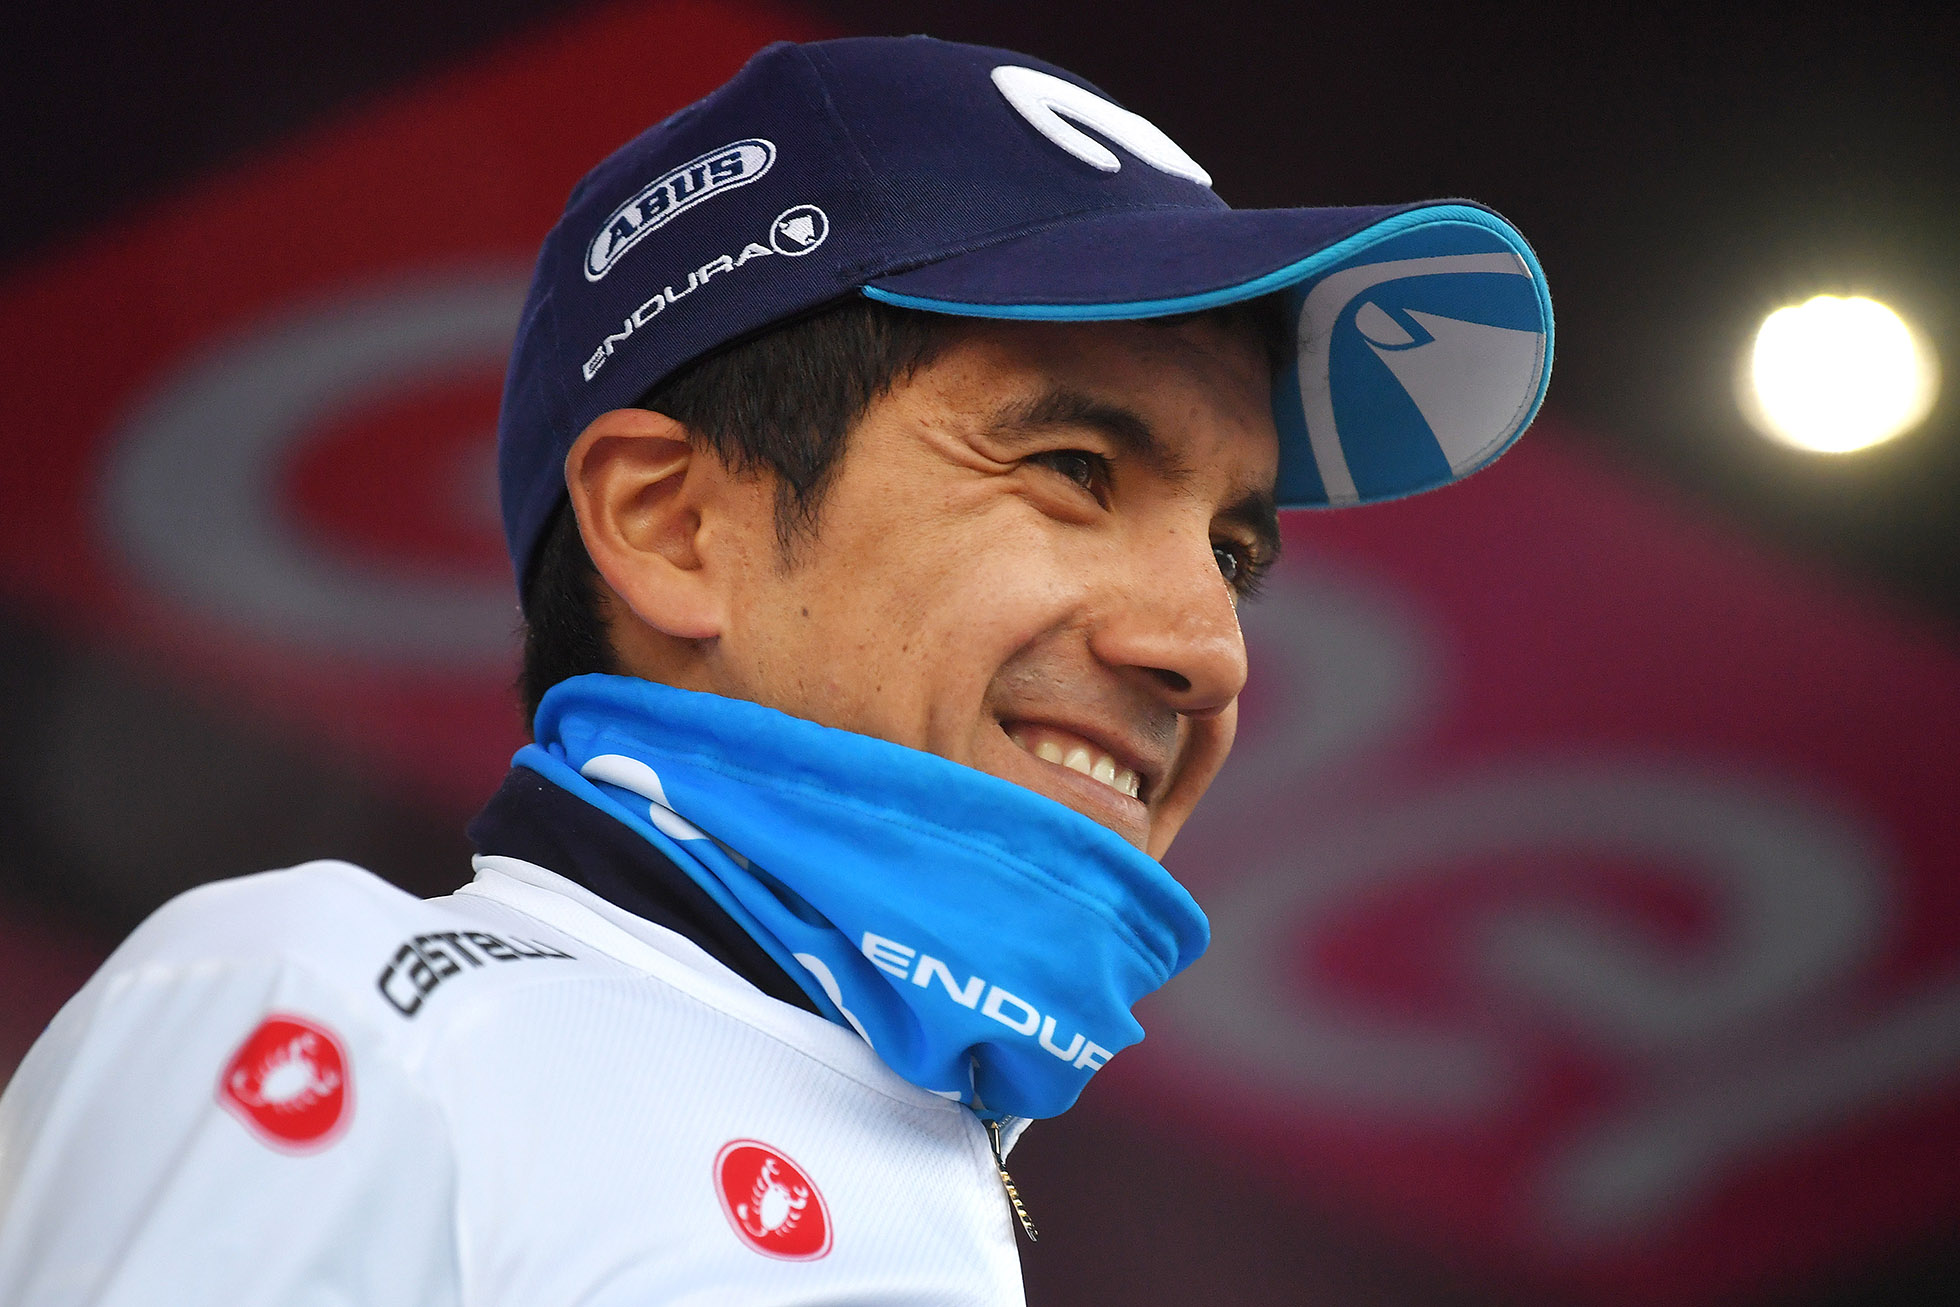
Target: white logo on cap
[1048,101]
[1473,383]
[796,231]
[799,230]
[672,193]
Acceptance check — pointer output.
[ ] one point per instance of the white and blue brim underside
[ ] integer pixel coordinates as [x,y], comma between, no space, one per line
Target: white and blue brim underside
[1424,347]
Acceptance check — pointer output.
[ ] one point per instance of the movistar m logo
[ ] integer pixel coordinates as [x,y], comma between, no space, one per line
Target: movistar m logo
[671,194]
[991,1001]
[1048,102]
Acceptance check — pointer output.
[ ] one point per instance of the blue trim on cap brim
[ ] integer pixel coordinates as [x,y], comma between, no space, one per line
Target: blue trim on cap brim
[1291,275]
[1279,279]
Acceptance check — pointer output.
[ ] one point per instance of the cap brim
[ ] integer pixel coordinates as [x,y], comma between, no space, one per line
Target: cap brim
[1423,333]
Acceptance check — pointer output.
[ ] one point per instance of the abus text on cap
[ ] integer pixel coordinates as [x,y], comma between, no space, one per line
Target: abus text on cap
[735,164]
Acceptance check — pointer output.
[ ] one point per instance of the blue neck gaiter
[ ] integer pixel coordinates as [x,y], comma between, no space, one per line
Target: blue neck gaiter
[987,941]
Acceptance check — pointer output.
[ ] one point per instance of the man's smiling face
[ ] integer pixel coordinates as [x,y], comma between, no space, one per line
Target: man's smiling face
[1029,561]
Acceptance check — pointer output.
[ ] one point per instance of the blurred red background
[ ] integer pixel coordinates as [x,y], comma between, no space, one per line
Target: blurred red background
[1583,886]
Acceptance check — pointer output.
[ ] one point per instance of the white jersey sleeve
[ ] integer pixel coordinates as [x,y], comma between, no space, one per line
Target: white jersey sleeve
[211,1120]
[309,1087]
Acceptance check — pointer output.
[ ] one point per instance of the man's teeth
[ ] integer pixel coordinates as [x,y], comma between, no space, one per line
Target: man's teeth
[1097,766]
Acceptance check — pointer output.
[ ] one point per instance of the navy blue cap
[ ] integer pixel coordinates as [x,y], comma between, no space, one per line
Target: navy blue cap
[964,180]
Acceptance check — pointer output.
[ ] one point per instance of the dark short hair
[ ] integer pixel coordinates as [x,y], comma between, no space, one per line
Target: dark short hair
[780,402]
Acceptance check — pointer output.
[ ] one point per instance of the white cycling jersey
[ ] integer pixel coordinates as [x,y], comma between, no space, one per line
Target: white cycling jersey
[308,1086]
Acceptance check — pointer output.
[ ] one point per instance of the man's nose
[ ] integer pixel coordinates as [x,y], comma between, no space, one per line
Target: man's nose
[1175,629]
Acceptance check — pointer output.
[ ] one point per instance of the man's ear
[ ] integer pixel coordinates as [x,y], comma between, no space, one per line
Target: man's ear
[639,489]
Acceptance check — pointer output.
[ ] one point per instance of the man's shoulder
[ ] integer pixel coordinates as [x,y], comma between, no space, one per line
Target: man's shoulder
[325,913]
[533,962]
[345,932]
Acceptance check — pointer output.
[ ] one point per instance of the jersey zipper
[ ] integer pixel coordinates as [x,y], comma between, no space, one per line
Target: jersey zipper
[1007,1183]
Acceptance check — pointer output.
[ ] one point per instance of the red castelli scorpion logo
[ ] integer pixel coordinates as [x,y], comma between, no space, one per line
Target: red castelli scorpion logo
[770,1201]
[288,1082]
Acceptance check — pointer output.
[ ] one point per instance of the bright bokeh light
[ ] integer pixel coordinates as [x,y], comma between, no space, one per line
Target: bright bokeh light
[1836,374]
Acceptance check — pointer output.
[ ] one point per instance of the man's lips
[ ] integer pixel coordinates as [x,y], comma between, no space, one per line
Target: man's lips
[1077,753]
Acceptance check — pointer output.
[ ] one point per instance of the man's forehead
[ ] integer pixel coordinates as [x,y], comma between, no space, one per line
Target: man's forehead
[1165,390]
[1202,372]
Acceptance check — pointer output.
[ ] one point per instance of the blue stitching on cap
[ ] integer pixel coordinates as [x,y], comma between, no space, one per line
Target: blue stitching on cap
[1278,279]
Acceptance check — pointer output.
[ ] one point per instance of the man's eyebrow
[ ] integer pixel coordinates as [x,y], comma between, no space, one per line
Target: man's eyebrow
[1128,430]
[1256,511]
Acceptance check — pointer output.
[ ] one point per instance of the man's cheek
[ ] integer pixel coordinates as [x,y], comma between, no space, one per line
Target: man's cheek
[1203,747]
[1228,726]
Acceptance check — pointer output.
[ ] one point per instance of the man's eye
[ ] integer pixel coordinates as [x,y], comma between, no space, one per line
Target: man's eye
[1240,568]
[1086,469]
[1231,564]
